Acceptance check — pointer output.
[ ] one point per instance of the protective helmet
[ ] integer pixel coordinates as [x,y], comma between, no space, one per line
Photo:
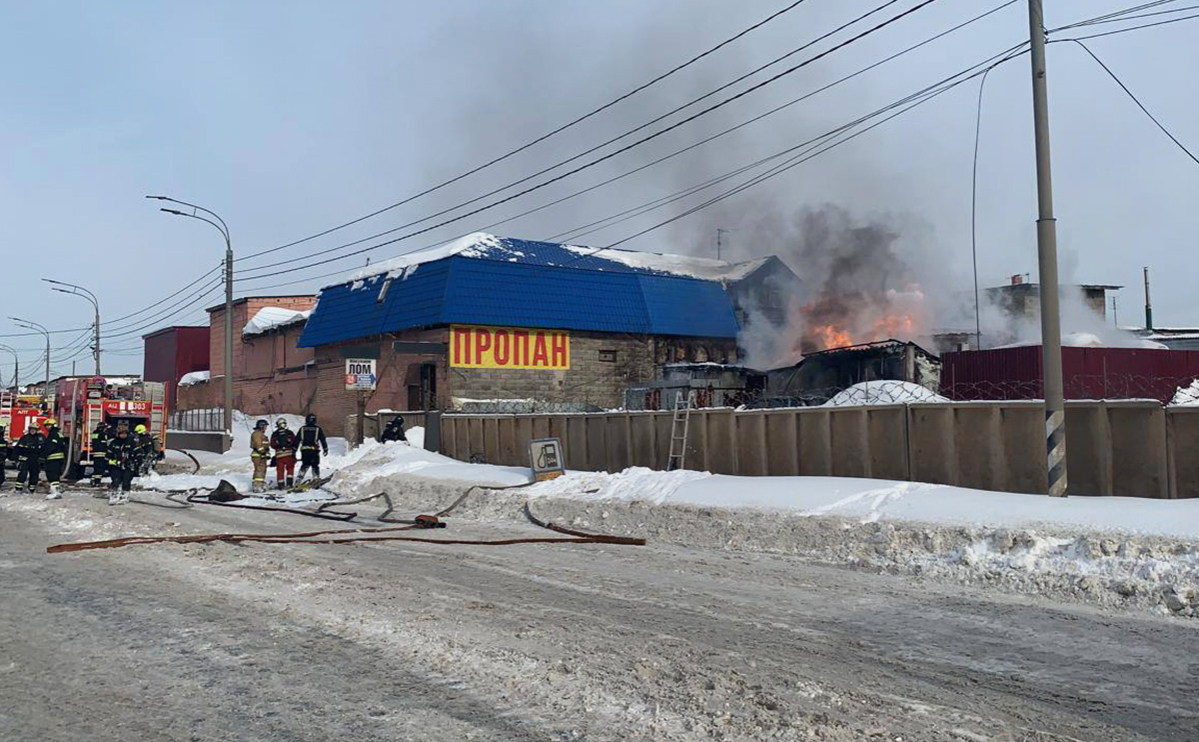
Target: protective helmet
[51,422]
[397,420]
[281,423]
[140,429]
[261,424]
[310,419]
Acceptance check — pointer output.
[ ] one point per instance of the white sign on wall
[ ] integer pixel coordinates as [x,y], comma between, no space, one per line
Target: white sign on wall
[360,374]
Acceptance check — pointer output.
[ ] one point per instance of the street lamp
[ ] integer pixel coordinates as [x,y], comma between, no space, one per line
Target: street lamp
[224,230]
[38,328]
[80,291]
[16,368]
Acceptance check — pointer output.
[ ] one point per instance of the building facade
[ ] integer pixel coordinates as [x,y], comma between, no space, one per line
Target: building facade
[172,352]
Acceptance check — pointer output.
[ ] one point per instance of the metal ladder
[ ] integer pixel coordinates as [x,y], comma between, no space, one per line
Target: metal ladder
[7,402]
[681,419]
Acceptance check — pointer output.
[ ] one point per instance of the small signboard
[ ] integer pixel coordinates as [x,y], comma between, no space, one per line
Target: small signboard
[360,374]
[546,459]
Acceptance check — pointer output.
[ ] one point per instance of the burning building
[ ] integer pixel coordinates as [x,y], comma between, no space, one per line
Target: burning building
[820,375]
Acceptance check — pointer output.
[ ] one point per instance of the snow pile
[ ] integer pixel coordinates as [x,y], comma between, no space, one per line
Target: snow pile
[884,393]
[471,246]
[707,269]
[195,377]
[1186,396]
[637,483]
[271,318]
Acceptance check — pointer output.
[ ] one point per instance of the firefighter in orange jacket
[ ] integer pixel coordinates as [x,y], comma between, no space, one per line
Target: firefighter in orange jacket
[260,451]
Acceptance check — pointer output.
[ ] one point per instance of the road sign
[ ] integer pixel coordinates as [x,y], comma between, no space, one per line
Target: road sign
[360,374]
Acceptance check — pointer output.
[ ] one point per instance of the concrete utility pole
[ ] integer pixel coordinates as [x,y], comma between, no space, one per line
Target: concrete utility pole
[1148,303]
[38,328]
[1051,325]
[224,230]
[80,291]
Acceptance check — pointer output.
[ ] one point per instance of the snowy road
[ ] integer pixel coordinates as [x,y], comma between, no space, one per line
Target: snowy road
[406,641]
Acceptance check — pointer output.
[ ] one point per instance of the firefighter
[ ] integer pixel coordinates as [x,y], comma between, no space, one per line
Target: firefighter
[284,443]
[312,445]
[100,437]
[53,457]
[260,451]
[29,453]
[150,453]
[3,453]
[394,430]
[123,464]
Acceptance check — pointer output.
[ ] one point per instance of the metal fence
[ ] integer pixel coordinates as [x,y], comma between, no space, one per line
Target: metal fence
[197,421]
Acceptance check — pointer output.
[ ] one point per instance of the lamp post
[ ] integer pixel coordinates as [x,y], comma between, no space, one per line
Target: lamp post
[74,290]
[16,366]
[224,230]
[38,328]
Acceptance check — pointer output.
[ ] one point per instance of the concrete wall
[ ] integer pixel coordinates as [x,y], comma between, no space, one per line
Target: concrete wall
[1126,448]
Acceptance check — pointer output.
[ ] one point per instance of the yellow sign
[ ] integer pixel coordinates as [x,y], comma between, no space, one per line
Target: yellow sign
[506,347]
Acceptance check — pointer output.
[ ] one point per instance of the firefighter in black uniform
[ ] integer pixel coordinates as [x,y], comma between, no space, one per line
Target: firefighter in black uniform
[394,430]
[29,457]
[312,445]
[100,437]
[3,453]
[150,453]
[53,457]
[124,460]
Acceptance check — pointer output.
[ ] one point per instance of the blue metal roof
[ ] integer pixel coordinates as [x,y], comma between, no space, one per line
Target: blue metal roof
[523,284]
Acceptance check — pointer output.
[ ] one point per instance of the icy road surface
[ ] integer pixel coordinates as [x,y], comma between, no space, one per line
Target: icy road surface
[416,642]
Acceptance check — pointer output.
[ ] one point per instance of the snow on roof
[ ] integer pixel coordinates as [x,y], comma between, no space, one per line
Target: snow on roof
[195,377]
[1091,340]
[484,246]
[883,393]
[272,318]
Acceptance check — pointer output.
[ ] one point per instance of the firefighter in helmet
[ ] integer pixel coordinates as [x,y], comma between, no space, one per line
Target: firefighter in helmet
[100,437]
[124,461]
[260,451]
[394,431]
[283,441]
[150,452]
[29,457]
[53,457]
[312,445]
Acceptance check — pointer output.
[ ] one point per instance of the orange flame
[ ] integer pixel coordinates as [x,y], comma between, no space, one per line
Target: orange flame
[893,326]
[832,337]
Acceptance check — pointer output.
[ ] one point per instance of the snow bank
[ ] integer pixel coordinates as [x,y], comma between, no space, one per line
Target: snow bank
[195,377]
[270,318]
[883,393]
[1186,396]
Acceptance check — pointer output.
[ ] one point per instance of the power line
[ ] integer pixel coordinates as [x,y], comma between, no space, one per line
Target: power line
[1115,16]
[682,150]
[613,140]
[1132,28]
[543,137]
[610,155]
[1136,100]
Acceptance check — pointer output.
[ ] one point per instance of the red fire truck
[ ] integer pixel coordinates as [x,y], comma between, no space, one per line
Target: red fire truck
[81,403]
[19,411]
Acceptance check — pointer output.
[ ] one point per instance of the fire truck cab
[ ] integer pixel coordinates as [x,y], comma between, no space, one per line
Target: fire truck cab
[82,403]
[19,412]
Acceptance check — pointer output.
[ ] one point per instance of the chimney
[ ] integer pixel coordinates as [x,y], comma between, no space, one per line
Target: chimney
[1148,304]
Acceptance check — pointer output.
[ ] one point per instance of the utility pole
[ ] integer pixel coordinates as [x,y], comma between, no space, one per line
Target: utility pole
[1148,304]
[720,233]
[80,291]
[224,230]
[1051,325]
[1115,312]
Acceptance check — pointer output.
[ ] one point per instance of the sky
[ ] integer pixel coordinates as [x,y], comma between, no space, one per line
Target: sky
[288,119]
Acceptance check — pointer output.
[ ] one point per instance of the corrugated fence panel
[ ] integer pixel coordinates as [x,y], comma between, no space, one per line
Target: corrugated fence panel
[1128,448]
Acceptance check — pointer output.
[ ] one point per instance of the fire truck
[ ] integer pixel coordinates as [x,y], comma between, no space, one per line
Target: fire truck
[82,403]
[18,412]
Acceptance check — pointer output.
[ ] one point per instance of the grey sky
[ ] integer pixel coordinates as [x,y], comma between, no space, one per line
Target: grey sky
[288,118]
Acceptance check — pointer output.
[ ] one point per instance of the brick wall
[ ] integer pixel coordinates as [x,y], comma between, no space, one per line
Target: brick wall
[589,380]
[243,310]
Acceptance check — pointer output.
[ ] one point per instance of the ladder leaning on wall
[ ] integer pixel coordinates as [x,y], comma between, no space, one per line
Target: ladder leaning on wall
[680,425]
